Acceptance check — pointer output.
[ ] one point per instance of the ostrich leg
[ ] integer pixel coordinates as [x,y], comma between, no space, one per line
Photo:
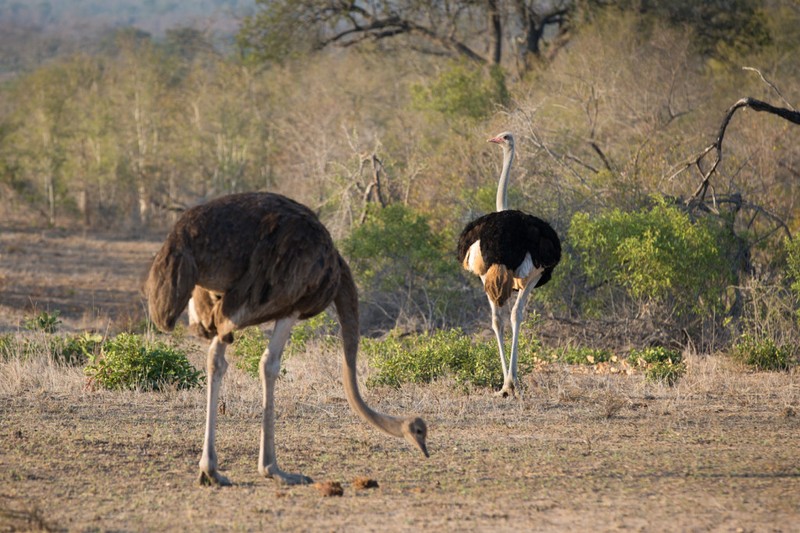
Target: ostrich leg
[511,382]
[217,365]
[497,326]
[269,369]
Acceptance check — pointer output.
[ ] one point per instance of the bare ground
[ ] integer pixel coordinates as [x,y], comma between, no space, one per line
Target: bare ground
[581,451]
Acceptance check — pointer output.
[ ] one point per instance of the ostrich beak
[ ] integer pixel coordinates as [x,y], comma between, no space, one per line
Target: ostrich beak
[424,449]
[496,140]
[419,443]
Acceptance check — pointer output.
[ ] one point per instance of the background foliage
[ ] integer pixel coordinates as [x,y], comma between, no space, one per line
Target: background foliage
[381,131]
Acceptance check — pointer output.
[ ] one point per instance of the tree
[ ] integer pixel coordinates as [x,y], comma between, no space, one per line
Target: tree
[457,28]
[36,144]
[720,27]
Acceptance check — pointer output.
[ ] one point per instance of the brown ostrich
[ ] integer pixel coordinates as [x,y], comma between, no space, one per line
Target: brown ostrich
[510,251]
[246,259]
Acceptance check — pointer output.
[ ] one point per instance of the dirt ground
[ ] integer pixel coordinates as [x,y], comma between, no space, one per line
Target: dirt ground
[580,451]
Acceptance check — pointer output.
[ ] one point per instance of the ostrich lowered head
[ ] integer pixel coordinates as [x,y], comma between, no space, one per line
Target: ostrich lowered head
[415,431]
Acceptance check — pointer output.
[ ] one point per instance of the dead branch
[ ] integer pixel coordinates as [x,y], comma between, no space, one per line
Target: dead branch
[771,86]
[757,105]
[374,188]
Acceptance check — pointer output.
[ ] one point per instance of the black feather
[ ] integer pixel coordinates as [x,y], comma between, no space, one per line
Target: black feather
[506,236]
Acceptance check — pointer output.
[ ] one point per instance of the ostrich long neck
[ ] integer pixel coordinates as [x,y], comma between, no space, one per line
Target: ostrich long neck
[346,302]
[502,187]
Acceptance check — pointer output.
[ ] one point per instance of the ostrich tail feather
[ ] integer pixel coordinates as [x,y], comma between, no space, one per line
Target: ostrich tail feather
[169,285]
[498,283]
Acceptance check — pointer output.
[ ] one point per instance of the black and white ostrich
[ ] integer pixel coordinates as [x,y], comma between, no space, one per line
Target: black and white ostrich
[510,251]
[246,259]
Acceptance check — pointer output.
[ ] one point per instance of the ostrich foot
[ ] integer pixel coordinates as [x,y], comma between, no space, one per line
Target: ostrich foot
[509,389]
[505,392]
[213,478]
[285,478]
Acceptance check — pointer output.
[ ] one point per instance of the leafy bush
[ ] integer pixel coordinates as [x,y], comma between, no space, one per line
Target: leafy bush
[250,343]
[44,321]
[7,346]
[583,356]
[248,348]
[73,350]
[402,263]
[321,326]
[77,350]
[424,358]
[129,362]
[792,247]
[762,354]
[654,254]
[462,91]
[660,364]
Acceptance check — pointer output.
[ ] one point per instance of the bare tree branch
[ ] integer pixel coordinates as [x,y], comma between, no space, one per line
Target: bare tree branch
[772,86]
[757,105]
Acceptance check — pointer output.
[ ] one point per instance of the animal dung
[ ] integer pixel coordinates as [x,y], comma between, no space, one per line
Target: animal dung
[329,488]
[363,482]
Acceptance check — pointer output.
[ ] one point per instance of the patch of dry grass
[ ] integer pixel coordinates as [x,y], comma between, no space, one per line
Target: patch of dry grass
[579,450]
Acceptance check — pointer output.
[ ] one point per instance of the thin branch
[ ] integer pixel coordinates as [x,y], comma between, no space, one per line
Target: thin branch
[756,105]
[772,86]
[602,155]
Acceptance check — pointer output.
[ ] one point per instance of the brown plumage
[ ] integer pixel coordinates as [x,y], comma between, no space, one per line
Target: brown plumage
[498,283]
[246,259]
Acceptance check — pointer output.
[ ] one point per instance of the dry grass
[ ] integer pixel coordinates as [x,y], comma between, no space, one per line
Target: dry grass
[717,451]
[579,451]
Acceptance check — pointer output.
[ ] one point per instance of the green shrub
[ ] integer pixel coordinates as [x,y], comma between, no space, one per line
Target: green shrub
[251,343]
[762,354]
[73,350]
[320,327]
[77,350]
[129,362]
[403,264]
[424,358]
[249,346]
[44,321]
[7,346]
[660,364]
[654,254]
[463,91]
[792,247]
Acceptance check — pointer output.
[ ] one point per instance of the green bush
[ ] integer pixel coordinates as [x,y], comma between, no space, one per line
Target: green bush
[792,247]
[251,343]
[129,362]
[660,364]
[427,357]
[320,327]
[249,346]
[7,346]
[402,263]
[654,254]
[463,91]
[44,321]
[77,350]
[762,354]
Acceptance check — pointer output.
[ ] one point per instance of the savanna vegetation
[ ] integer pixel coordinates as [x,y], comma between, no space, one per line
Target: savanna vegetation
[658,366]
[375,114]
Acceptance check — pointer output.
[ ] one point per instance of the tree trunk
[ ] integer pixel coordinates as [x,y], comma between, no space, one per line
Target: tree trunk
[495,32]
